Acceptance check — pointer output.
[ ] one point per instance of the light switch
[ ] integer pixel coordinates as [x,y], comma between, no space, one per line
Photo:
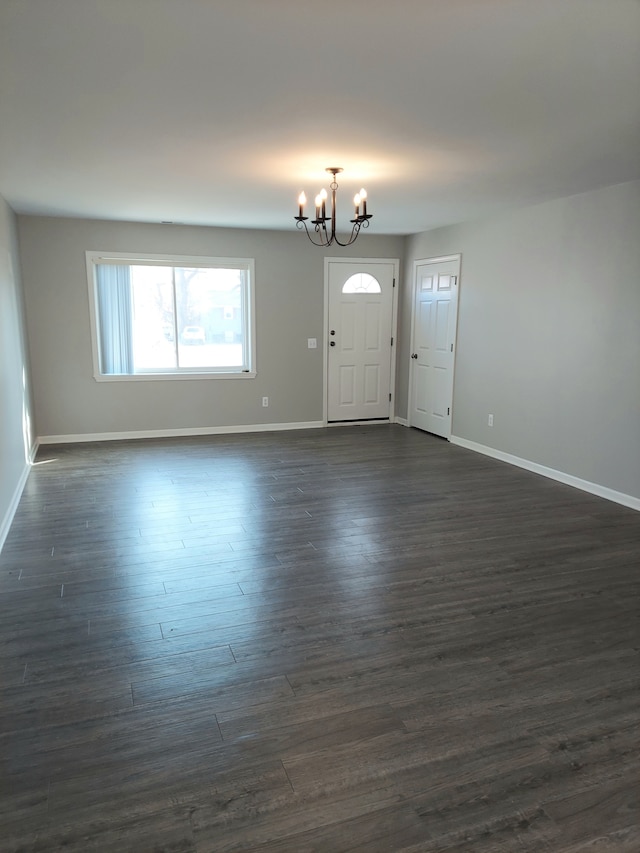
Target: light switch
[312,343]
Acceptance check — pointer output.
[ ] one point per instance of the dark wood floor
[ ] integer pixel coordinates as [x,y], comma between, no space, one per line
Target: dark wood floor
[356,639]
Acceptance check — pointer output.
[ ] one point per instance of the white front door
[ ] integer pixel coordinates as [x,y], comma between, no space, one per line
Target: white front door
[435,314]
[359,331]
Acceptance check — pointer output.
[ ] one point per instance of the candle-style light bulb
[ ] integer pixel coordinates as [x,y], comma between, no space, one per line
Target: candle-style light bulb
[323,196]
[302,200]
[318,205]
[363,198]
[356,201]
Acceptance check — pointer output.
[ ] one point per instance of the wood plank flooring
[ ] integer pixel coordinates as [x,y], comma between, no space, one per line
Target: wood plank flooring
[355,639]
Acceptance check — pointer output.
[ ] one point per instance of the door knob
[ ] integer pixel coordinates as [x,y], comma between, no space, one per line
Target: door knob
[332,332]
[414,355]
[332,344]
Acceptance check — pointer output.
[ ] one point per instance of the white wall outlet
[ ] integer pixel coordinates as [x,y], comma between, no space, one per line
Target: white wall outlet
[490,420]
[312,343]
[265,402]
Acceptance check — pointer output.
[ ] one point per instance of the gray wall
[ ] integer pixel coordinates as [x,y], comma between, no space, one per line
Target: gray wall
[548,333]
[16,439]
[289,306]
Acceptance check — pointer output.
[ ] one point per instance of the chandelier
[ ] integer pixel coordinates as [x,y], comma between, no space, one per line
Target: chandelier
[324,236]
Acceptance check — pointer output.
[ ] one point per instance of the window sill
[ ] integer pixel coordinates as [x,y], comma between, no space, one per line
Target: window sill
[154,377]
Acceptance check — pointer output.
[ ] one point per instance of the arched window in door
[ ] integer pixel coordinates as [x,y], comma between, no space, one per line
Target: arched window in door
[361,282]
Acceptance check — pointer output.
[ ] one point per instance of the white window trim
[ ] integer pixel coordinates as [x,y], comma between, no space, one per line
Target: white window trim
[93,258]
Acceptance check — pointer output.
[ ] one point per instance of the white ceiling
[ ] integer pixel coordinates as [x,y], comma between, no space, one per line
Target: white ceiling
[217,112]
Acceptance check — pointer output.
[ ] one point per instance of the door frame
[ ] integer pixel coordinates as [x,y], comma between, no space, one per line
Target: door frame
[440,259]
[394,334]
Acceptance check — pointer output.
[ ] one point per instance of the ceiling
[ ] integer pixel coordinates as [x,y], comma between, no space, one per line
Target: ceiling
[218,112]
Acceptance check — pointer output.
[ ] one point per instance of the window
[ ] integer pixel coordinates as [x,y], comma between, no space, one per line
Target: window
[171,317]
[361,282]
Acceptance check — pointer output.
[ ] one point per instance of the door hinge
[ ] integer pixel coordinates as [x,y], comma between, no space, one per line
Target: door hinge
[451,347]
[394,282]
[389,396]
[391,341]
[448,410]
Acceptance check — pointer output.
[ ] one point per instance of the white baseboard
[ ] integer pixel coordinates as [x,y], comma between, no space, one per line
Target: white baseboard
[402,421]
[13,505]
[174,433]
[551,473]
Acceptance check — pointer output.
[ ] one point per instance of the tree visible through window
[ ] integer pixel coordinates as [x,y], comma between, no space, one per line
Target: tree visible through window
[165,317]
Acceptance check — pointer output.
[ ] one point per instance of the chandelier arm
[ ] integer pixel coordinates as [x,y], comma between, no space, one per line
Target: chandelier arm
[300,224]
[352,237]
[321,230]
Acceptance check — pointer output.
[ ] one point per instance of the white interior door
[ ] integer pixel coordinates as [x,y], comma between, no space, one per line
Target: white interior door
[435,311]
[359,333]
